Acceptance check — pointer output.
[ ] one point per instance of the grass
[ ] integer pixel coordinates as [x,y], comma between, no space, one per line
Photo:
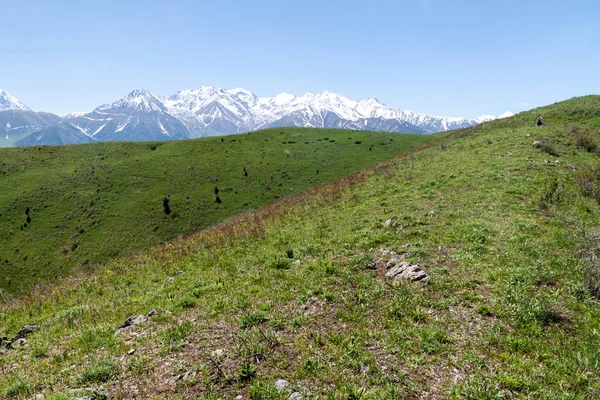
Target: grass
[508,311]
[69,209]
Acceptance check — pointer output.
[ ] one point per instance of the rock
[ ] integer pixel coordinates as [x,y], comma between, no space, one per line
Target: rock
[296,396]
[178,273]
[282,384]
[183,377]
[388,223]
[407,272]
[131,352]
[131,322]
[238,397]
[313,306]
[171,280]
[364,369]
[24,332]
[217,353]
[21,342]
[4,342]
[538,143]
[40,396]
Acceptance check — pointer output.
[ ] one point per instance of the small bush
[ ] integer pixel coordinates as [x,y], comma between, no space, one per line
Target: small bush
[484,310]
[550,148]
[95,337]
[310,366]
[585,139]
[553,313]
[591,276]
[39,352]
[588,180]
[15,388]
[552,196]
[175,335]
[246,371]
[166,208]
[72,315]
[591,279]
[102,371]
[188,301]
[262,391]
[249,320]
[362,260]
[58,396]
[280,263]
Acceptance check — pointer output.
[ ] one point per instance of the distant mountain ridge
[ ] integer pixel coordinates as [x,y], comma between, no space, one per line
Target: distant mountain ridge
[210,111]
[17,120]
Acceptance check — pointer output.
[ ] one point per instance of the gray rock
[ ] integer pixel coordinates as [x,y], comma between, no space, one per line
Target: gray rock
[132,322]
[538,143]
[296,396]
[406,272]
[5,343]
[388,223]
[40,396]
[171,280]
[21,342]
[178,273]
[24,332]
[217,353]
[313,306]
[282,384]
[364,369]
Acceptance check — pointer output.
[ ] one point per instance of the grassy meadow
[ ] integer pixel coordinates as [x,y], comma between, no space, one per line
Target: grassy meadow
[67,209]
[506,229]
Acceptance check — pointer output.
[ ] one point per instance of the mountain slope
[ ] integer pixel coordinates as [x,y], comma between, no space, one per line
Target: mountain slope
[297,290]
[17,120]
[61,134]
[88,204]
[138,116]
[9,102]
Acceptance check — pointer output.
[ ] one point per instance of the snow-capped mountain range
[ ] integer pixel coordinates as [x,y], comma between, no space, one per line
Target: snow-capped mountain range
[8,102]
[210,111]
[17,120]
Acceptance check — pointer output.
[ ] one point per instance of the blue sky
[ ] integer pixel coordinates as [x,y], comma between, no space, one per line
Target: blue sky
[447,58]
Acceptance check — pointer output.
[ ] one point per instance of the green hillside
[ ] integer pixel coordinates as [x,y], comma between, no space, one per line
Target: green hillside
[502,217]
[79,206]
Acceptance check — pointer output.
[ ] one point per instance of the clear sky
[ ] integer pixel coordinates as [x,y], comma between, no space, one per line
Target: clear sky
[441,57]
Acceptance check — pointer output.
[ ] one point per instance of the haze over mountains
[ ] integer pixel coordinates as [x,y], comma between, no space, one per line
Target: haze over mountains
[210,111]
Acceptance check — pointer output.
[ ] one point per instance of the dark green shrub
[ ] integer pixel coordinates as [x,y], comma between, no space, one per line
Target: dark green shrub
[249,320]
[550,148]
[102,371]
[588,179]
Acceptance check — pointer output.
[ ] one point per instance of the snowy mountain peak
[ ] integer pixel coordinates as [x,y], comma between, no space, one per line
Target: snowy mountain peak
[240,92]
[506,114]
[136,93]
[485,118]
[138,100]
[283,98]
[8,102]
[372,101]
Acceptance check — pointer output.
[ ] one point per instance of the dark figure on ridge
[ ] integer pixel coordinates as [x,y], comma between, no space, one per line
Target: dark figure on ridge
[538,121]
